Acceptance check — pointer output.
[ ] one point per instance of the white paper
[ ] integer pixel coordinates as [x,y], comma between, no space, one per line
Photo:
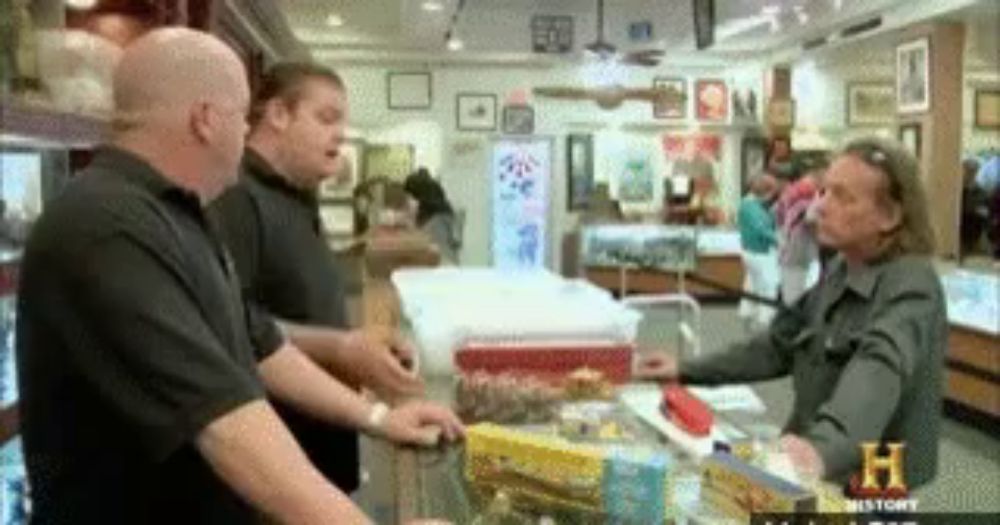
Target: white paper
[730,398]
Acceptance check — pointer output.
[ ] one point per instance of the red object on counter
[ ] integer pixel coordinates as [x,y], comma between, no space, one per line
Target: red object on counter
[687,411]
[614,360]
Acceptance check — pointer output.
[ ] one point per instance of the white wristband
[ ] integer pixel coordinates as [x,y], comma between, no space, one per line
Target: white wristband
[377,415]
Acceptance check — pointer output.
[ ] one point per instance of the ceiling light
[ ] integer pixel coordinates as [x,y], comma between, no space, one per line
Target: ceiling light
[771,10]
[455,44]
[81,4]
[432,5]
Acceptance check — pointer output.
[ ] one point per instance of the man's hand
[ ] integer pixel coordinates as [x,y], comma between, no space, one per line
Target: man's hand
[657,365]
[383,362]
[804,456]
[420,423]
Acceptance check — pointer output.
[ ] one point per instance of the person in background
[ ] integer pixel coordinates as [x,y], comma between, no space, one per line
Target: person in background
[143,371]
[269,222]
[975,209]
[798,251]
[434,214]
[758,239]
[866,346]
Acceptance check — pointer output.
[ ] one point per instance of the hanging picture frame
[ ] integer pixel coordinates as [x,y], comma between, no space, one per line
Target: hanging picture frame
[870,104]
[518,120]
[711,100]
[476,111]
[753,159]
[409,90]
[986,108]
[580,168]
[673,103]
[913,79]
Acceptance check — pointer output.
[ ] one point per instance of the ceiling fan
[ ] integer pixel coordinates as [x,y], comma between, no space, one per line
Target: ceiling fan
[605,50]
[607,97]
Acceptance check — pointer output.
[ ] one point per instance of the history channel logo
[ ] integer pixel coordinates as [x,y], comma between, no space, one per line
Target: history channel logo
[880,486]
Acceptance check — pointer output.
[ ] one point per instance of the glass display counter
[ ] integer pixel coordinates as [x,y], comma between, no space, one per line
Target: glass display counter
[433,483]
[648,258]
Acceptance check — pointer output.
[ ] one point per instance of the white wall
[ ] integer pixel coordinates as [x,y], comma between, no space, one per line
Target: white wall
[461,158]
[820,80]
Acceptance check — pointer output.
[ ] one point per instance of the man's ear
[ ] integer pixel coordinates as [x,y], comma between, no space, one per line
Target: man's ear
[891,218]
[277,114]
[202,121]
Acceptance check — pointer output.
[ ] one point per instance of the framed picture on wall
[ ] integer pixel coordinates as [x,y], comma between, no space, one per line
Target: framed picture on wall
[518,120]
[342,184]
[913,79]
[672,104]
[986,107]
[711,97]
[476,111]
[870,104]
[781,113]
[409,90]
[580,171]
[753,158]
[909,136]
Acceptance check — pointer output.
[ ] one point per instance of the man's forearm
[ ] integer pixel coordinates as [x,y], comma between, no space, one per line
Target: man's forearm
[327,347]
[754,360]
[253,452]
[291,376]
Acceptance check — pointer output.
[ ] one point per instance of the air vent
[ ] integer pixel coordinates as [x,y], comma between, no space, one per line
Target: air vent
[814,43]
[867,25]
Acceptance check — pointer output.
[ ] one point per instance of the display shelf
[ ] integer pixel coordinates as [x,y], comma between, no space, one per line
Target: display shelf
[33,121]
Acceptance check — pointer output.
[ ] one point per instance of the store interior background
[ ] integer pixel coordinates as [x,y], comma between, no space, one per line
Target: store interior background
[754,38]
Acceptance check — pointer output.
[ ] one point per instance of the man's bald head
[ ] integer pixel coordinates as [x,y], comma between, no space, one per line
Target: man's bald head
[164,73]
[181,101]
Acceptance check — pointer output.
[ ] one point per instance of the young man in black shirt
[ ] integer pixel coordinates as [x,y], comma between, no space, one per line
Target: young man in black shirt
[143,373]
[270,222]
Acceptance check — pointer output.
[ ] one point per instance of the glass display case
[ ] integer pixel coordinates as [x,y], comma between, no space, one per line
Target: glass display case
[30,174]
[655,257]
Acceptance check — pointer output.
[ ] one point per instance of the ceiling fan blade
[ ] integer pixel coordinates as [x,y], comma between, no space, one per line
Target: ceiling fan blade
[560,92]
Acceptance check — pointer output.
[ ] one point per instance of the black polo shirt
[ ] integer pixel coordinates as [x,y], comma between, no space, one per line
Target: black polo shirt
[285,266]
[132,337]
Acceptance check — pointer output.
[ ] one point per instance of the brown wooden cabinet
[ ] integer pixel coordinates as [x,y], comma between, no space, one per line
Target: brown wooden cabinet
[973,374]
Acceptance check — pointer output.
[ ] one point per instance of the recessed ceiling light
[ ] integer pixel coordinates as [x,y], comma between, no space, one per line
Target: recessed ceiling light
[334,20]
[455,44]
[432,5]
[81,4]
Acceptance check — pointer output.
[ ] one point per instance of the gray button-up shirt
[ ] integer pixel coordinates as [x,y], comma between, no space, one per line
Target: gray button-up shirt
[866,350]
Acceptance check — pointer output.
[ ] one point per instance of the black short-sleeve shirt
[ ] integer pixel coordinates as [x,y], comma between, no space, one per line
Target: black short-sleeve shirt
[286,268]
[132,337]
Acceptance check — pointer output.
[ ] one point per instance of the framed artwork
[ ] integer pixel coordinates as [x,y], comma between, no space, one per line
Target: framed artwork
[745,105]
[580,168]
[673,103]
[551,34]
[753,158]
[909,136]
[388,161]
[986,108]
[704,23]
[476,111]
[711,100]
[781,113]
[409,90]
[342,184]
[635,182]
[913,79]
[518,120]
[870,104]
